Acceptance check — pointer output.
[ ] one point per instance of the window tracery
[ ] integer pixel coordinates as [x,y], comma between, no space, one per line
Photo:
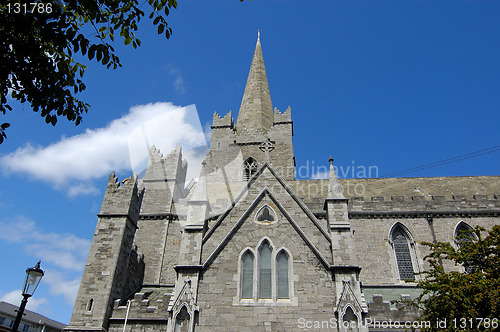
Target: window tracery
[403,252]
[249,168]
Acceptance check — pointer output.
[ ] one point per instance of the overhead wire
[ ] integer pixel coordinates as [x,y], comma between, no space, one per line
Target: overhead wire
[446,161]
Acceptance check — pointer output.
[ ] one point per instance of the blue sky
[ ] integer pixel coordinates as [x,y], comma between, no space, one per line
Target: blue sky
[391,84]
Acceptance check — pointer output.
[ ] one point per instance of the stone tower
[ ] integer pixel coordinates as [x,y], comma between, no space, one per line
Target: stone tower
[113,268]
[261,135]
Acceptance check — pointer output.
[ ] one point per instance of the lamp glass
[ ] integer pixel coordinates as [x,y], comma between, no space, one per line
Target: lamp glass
[33,277]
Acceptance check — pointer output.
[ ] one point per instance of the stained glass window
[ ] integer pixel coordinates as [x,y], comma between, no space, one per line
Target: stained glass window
[464,234]
[265,271]
[247,276]
[403,255]
[282,278]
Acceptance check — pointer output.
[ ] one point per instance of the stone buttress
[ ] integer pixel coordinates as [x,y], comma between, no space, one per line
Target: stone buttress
[107,272]
[351,306]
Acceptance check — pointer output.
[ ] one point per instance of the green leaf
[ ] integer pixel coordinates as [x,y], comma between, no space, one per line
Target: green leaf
[161,27]
[128,40]
[105,58]
[156,20]
[91,52]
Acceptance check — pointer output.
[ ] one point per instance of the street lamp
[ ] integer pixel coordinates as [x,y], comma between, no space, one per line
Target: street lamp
[33,277]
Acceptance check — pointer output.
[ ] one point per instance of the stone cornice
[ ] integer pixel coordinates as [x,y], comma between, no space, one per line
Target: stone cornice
[157,216]
[423,214]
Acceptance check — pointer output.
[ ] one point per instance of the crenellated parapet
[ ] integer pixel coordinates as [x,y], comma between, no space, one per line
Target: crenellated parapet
[282,118]
[424,206]
[149,303]
[223,122]
[382,311]
[164,180]
[123,197]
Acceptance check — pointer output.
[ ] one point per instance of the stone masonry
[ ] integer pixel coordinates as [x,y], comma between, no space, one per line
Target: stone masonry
[250,248]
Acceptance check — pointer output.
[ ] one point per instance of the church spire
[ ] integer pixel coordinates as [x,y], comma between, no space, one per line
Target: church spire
[256,110]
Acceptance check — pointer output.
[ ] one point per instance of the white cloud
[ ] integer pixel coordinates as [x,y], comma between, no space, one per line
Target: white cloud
[179,85]
[61,286]
[208,131]
[82,189]
[65,251]
[321,175]
[123,145]
[63,259]
[14,297]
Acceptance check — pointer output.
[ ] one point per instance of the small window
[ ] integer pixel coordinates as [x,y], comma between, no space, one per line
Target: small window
[265,215]
[282,278]
[265,271]
[350,320]
[247,275]
[249,168]
[182,320]
[90,304]
[464,234]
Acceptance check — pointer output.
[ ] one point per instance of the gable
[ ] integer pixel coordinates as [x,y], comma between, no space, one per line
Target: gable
[293,219]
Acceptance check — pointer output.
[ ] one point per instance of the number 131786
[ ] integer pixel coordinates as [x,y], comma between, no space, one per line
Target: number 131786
[29,8]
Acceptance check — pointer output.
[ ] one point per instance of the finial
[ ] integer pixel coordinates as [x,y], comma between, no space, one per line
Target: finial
[331,160]
[258,34]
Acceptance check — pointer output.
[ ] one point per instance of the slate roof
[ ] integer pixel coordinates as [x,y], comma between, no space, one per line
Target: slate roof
[30,316]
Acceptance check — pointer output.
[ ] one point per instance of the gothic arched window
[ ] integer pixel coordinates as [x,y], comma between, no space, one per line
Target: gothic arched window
[350,320]
[247,275]
[265,215]
[249,168]
[402,245]
[282,277]
[464,234]
[265,275]
[182,320]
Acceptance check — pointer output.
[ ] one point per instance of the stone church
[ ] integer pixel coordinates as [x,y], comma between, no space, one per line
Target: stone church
[250,248]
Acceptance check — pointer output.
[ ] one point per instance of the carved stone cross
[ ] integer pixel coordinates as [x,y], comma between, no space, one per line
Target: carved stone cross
[267,146]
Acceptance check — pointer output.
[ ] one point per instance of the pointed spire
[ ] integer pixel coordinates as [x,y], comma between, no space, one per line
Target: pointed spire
[200,191]
[256,110]
[334,188]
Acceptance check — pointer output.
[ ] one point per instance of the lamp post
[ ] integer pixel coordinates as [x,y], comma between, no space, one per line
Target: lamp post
[33,277]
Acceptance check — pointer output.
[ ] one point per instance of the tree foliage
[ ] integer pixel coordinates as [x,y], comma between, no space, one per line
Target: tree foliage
[38,41]
[468,300]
